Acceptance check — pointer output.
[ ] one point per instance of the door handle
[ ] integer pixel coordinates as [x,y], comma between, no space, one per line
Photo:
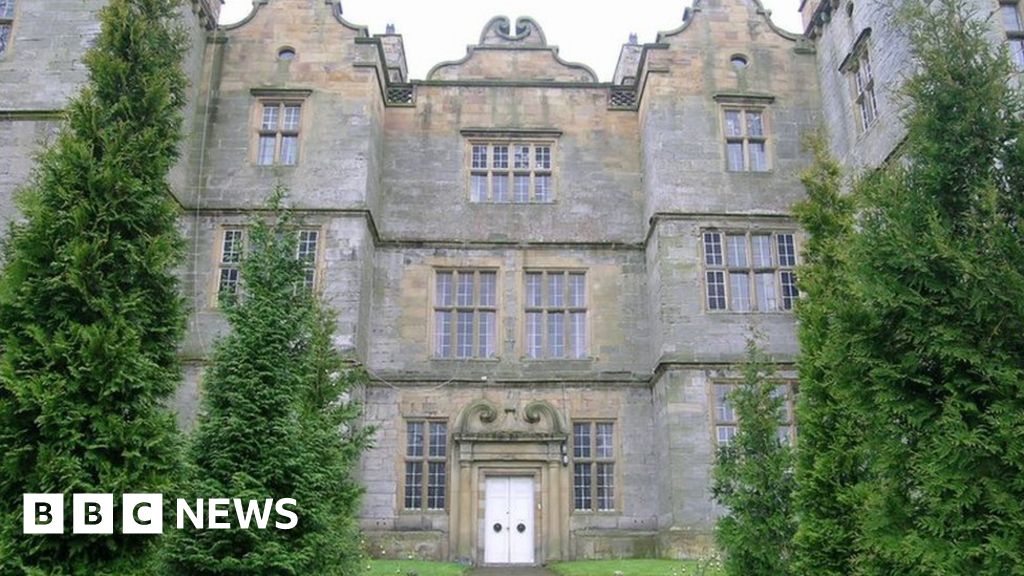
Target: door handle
[521,527]
[497,526]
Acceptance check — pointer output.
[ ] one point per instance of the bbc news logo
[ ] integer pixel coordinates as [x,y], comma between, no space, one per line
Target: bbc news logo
[142,513]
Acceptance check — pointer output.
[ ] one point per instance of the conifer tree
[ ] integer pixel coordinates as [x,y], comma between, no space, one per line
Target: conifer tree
[925,349]
[753,477]
[90,314]
[278,422]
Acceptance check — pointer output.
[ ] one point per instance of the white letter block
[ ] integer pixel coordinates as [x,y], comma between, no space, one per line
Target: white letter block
[43,513]
[142,514]
[92,514]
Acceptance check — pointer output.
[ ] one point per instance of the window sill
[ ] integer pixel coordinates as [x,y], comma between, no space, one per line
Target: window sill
[571,360]
[493,360]
[510,203]
[756,173]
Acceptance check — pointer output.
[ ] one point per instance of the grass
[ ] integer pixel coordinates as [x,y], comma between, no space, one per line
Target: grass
[420,567]
[632,568]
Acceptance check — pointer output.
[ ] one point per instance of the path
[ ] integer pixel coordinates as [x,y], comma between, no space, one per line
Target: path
[517,571]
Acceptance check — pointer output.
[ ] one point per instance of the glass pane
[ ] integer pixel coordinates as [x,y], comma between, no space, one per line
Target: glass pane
[232,248]
[478,188]
[1017,53]
[479,156]
[542,183]
[755,125]
[734,156]
[7,9]
[413,485]
[464,292]
[789,291]
[716,290]
[725,434]
[1011,19]
[265,156]
[500,182]
[723,408]
[444,288]
[578,334]
[581,440]
[290,150]
[764,283]
[500,159]
[522,157]
[556,290]
[577,290]
[438,439]
[605,440]
[733,127]
[414,439]
[487,333]
[605,486]
[556,334]
[488,289]
[581,487]
[292,115]
[436,486]
[228,283]
[5,33]
[761,245]
[443,334]
[521,188]
[758,157]
[534,337]
[464,335]
[533,290]
[780,393]
[713,249]
[737,244]
[542,157]
[739,292]
[307,245]
[270,114]
[787,251]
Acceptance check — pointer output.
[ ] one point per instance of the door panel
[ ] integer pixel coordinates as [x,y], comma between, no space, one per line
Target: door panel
[508,520]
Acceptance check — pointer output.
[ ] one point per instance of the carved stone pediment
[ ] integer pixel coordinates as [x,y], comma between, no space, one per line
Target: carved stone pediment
[484,420]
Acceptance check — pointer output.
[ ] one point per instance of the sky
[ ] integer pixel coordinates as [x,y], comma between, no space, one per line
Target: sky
[585,32]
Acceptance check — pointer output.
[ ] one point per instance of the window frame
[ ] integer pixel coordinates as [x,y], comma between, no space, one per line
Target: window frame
[792,389]
[282,98]
[752,271]
[546,309]
[7,28]
[593,462]
[425,460]
[510,172]
[744,138]
[314,265]
[454,309]
[1014,38]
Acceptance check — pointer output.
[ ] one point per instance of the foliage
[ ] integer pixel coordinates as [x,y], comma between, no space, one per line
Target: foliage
[90,315]
[912,376]
[278,423]
[753,477]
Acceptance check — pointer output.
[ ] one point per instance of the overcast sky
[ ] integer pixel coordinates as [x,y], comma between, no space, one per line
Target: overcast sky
[584,32]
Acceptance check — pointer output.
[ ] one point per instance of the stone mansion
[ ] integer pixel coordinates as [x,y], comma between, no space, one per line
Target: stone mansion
[550,277]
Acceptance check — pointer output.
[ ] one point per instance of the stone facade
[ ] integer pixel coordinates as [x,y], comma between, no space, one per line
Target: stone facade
[625,187]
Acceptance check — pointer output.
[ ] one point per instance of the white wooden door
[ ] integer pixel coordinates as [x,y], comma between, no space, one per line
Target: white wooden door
[508,520]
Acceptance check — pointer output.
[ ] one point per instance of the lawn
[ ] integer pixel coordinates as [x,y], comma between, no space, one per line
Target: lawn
[420,567]
[632,568]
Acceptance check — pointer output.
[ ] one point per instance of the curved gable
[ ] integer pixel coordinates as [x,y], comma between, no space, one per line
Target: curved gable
[521,54]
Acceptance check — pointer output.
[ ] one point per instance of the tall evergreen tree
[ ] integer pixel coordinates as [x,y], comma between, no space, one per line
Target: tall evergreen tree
[753,478]
[925,350]
[278,422]
[90,315]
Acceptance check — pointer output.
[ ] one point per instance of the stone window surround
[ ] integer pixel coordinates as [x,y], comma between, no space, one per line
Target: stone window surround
[220,264]
[6,26]
[454,308]
[425,459]
[511,137]
[775,267]
[746,102]
[525,308]
[592,462]
[1014,30]
[788,426]
[862,82]
[280,97]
